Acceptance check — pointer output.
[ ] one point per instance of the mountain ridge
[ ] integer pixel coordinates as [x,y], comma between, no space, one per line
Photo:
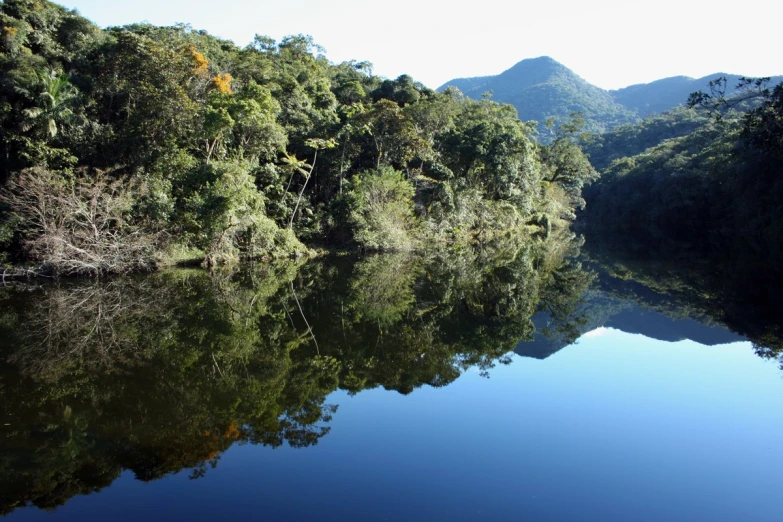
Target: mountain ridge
[666,93]
[542,87]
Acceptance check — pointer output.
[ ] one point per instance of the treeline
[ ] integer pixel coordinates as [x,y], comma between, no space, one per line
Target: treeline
[131,147]
[707,176]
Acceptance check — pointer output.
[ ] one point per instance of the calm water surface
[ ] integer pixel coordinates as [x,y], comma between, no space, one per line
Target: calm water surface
[336,391]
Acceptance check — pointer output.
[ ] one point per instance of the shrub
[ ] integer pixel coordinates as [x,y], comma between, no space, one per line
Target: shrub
[381,210]
[464,215]
[223,213]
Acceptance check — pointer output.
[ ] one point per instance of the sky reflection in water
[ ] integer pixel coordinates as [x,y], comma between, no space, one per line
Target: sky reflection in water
[616,427]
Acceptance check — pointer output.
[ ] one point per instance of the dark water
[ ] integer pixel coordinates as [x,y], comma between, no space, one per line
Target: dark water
[506,384]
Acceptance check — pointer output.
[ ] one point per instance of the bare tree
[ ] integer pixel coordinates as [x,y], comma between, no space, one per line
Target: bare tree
[92,325]
[81,225]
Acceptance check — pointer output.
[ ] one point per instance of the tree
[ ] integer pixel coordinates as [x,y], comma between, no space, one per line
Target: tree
[763,126]
[717,103]
[294,166]
[147,94]
[316,144]
[381,210]
[403,91]
[217,123]
[223,213]
[567,166]
[256,132]
[84,226]
[392,133]
[54,97]
[489,148]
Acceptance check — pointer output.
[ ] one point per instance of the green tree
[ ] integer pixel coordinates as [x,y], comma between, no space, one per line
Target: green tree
[763,126]
[391,132]
[567,166]
[299,166]
[381,210]
[54,97]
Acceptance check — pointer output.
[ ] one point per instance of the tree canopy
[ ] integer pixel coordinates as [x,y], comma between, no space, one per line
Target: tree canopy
[227,152]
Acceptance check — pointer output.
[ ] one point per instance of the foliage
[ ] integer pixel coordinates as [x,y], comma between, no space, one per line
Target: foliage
[53,99]
[716,184]
[381,210]
[245,151]
[629,140]
[567,166]
[223,212]
[763,126]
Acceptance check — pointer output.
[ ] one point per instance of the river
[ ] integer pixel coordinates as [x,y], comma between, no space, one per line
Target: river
[525,383]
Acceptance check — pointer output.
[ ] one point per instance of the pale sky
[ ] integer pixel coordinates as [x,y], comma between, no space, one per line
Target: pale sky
[609,43]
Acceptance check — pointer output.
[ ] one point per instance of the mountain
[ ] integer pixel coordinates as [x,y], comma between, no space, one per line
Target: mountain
[661,95]
[647,313]
[541,88]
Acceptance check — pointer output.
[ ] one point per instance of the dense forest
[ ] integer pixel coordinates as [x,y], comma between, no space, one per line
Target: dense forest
[706,175]
[136,147]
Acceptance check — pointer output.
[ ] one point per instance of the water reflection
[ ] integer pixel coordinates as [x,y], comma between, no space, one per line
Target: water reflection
[736,288]
[163,373]
[152,375]
[156,374]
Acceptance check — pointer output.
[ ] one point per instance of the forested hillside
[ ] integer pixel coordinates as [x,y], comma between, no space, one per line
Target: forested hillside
[541,88]
[708,176]
[633,139]
[134,147]
[662,95]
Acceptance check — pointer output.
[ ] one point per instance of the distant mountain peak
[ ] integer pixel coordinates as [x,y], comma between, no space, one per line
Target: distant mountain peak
[542,87]
[540,64]
[540,59]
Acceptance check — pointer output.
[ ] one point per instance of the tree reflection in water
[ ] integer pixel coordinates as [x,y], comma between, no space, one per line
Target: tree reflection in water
[162,373]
